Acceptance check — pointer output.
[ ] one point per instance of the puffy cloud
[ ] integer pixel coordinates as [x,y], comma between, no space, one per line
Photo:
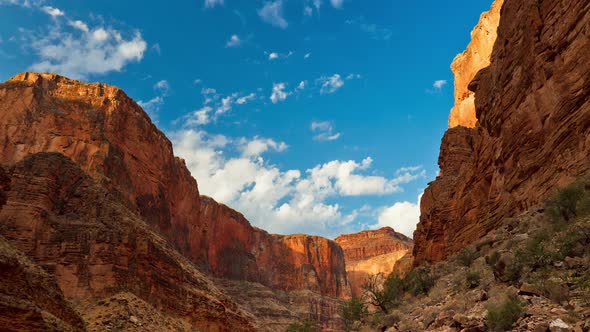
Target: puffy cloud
[245,99]
[153,106]
[79,25]
[282,201]
[324,131]
[273,56]
[307,55]
[199,117]
[52,11]
[279,93]
[401,216]
[331,84]
[85,51]
[276,55]
[439,84]
[213,3]
[163,86]
[257,146]
[215,105]
[234,41]
[272,13]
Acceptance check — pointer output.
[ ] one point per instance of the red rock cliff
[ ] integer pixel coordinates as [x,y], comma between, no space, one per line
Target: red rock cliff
[94,247]
[372,252]
[532,105]
[112,139]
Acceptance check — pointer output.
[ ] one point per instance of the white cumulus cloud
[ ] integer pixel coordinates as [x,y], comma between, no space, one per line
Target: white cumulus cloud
[324,131]
[401,216]
[439,84]
[331,84]
[272,13]
[279,93]
[282,201]
[234,41]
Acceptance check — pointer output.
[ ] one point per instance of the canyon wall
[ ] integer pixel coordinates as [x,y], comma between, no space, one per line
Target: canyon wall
[372,252]
[113,140]
[532,128]
[93,246]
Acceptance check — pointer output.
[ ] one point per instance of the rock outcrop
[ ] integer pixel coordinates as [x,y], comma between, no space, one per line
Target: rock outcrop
[94,247]
[112,139]
[532,105]
[372,252]
[467,64]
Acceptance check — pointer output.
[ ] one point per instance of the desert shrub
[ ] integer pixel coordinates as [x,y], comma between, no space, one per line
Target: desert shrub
[419,281]
[305,326]
[353,312]
[501,317]
[375,293]
[467,257]
[492,258]
[514,272]
[534,254]
[555,292]
[569,202]
[472,279]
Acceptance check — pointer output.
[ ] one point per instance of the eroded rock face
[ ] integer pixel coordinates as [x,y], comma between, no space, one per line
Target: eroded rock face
[113,140]
[94,247]
[533,123]
[467,64]
[372,252]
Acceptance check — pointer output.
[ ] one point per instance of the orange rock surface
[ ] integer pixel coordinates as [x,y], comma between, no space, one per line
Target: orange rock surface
[472,60]
[113,140]
[372,252]
[92,246]
[532,134]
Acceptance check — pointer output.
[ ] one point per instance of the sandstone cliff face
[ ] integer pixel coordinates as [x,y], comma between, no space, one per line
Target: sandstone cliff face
[94,247]
[30,300]
[467,64]
[113,140]
[533,124]
[372,252]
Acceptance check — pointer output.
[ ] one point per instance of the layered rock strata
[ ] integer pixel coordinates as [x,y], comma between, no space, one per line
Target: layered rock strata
[532,106]
[372,252]
[112,139]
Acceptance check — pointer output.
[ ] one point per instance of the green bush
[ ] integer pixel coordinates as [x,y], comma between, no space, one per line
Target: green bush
[467,257]
[534,254]
[569,202]
[353,312]
[419,281]
[514,272]
[305,326]
[503,316]
[472,279]
[375,293]
[493,258]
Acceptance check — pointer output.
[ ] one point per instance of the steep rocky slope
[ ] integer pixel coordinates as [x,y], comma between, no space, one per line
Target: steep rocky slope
[533,120]
[94,247]
[372,252]
[113,140]
[99,201]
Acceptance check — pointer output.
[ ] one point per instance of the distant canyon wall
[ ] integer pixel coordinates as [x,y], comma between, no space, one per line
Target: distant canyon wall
[369,253]
[113,140]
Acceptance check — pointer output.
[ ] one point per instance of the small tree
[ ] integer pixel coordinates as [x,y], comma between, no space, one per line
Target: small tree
[384,294]
[353,312]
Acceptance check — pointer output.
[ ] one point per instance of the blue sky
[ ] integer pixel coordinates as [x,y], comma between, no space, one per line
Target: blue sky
[321,117]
